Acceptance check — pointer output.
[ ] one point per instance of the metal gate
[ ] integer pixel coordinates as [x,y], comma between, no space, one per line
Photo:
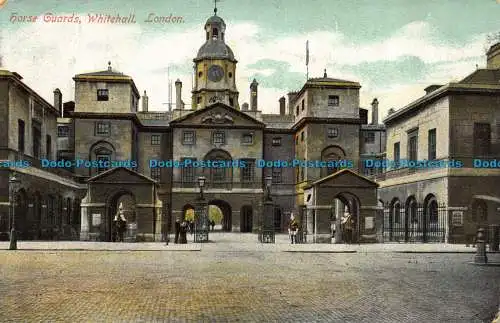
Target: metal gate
[414,223]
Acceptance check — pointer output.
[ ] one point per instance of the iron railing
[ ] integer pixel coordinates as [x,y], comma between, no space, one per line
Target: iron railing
[414,223]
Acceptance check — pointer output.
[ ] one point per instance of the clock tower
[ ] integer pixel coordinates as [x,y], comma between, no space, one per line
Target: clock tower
[215,68]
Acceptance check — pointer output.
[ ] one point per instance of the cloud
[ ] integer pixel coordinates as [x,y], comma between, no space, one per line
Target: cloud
[49,55]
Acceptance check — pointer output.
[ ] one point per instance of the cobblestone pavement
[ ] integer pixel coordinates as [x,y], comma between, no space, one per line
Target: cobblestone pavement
[235,281]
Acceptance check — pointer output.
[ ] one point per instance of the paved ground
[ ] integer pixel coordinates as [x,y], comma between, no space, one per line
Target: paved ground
[237,280]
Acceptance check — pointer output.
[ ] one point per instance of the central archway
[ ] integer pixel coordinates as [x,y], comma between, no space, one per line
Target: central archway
[226,210]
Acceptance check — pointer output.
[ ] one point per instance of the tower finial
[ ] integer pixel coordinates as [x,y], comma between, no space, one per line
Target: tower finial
[109,65]
[215,7]
[324,75]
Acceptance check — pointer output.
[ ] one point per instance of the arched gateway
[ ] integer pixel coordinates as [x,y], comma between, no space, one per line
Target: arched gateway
[139,214]
[342,207]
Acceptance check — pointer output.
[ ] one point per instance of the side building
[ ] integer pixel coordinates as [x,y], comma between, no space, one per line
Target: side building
[454,129]
[47,203]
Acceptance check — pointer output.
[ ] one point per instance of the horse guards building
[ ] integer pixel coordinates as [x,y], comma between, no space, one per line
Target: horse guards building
[450,126]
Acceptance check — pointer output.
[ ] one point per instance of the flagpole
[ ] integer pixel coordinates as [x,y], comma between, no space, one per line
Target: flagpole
[307,61]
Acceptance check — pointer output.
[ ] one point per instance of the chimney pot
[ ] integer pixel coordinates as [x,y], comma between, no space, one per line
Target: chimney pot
[282,106]
[145,102]
[58,102]
[375,111]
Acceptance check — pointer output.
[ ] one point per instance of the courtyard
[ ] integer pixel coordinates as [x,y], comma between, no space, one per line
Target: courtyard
[237,279]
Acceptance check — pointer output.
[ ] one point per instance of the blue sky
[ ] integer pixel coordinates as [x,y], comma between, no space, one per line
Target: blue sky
[394,48]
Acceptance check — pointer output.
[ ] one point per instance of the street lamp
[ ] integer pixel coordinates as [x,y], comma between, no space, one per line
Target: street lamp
[14,184]
[201,224]
[201,184]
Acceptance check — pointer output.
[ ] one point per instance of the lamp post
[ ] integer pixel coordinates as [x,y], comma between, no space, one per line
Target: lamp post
[201,184]
[14,183]
[267,227]
[201,229]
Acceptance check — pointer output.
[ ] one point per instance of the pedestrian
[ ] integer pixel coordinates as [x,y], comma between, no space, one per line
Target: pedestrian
[348,223]
[293,229]
[177,230]
[183,232]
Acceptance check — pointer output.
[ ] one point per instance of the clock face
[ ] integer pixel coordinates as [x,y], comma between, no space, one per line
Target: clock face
[215,73]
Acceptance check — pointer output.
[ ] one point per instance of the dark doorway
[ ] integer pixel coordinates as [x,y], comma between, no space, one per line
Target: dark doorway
[277,219]
[246,223]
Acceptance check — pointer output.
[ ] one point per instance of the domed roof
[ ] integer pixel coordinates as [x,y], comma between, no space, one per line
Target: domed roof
[215,49]
[215,19]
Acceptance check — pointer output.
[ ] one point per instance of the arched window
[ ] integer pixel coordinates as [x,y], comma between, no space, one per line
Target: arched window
[220,176]
[215,33]
[331,155]
[479,211]
[396,212]
[411,210]
[103,153]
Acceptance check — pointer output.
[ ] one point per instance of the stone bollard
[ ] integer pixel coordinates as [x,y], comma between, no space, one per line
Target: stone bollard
[480,257]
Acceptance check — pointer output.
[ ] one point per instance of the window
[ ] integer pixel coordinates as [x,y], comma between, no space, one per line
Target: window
[230,74]
[396,154]
[333,100]
[156,173]
[200,74]
[103,163]
[432,144]
[37,138]
[302,136]
[369,137]
[333,132]
[187,171]
[198,100]
[102,128]
[219,137]
[20,136]
[102,95]
[215,33]
[248,172]
[413,146]
[303,105]
[276,174]
[48,142]
[297,110]
[277,141]
[247,139]
[296,140]
[63,131]
[231,102]
[482,139]
[188,138]
[155,139]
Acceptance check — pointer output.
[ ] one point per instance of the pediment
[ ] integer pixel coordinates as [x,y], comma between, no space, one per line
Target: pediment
[216,115]
[121,175]
[346,178]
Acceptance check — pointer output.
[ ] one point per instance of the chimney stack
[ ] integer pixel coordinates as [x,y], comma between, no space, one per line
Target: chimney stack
[178,94]
[282,106]
[145,102]
[291,101]
[375,111]
[493,57]
[253,95]
[58,102]
[244,107]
